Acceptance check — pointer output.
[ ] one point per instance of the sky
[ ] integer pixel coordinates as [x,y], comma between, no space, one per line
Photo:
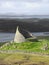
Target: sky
[24,7]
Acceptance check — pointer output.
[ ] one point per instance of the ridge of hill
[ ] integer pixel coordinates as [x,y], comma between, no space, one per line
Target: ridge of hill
[31,24]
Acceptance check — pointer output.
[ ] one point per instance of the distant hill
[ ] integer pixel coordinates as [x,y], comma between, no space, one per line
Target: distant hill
[31,24]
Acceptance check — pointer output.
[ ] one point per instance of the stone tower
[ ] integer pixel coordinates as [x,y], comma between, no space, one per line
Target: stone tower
[19,36]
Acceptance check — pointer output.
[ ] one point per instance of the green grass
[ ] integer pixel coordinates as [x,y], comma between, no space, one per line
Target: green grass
[30,46]
[24,58]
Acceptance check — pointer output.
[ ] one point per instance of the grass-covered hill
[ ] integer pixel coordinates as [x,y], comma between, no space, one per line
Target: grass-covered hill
[30,45]
[40,45]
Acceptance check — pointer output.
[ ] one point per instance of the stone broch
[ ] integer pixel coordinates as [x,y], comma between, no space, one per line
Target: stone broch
[19,37]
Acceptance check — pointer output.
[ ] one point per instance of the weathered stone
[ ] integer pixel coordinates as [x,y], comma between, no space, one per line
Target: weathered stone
[19,37]
[45,47]
[22,34]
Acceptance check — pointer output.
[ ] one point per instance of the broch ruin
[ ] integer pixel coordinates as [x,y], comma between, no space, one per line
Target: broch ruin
[21,35]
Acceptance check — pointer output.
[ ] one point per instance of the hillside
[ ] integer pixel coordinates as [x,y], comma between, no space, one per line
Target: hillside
[40,45]
[31,24]
[30,52]
[23,59]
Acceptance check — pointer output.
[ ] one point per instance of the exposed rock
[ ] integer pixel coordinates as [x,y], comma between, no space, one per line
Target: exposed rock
[45,47]
[6,44]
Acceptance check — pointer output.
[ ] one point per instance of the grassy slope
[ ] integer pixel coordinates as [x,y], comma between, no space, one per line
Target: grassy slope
[24,59]
[28,46]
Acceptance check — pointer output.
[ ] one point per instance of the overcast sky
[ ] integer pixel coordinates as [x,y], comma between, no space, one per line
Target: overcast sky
[30,7]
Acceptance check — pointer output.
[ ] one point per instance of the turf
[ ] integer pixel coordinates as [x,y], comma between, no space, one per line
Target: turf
[29,46]
[23,59]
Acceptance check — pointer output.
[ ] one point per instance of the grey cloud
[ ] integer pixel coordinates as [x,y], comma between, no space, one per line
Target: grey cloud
[25,6]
